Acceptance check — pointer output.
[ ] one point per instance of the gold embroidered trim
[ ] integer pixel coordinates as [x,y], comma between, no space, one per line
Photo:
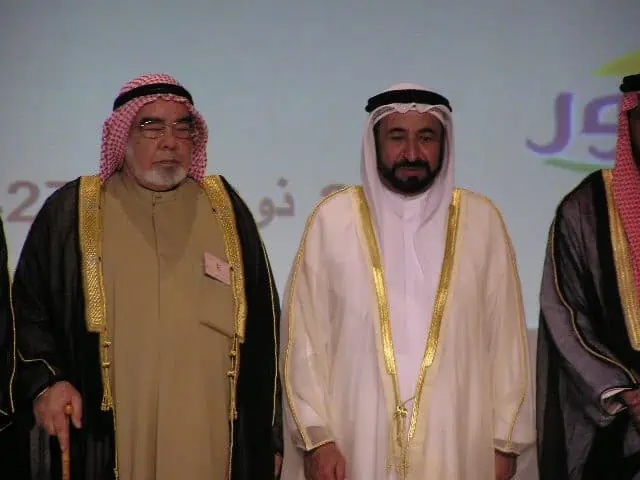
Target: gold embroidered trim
[90,238]
[223,209]
[33,360]
[506,451]
[291,319]
[523,336]
[232,374]
[624,266]
[275,336]
[90,233]
[521,321]
[15,340]
[221,204]
[573,315]
[431,348]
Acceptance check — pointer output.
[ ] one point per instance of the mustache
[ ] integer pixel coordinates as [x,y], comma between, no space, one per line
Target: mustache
[417,163]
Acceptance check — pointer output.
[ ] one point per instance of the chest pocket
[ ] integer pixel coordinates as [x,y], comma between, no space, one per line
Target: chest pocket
[217,305]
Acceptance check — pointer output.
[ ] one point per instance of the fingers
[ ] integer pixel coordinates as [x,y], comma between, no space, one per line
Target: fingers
[48,426]
[76,405]
[341,469]
[325,463]
[323,471]
[633,400]
[634,411]
[635,416]
[61,426]
[43,420]
[326,474]
[54,409]
[315,474]
[334,469]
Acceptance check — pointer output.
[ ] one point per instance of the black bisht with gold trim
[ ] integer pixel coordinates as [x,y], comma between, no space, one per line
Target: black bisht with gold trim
[584,347]
[50,308]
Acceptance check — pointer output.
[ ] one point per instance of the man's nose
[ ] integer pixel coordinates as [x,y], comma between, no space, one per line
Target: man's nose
[412,151]
[168,140]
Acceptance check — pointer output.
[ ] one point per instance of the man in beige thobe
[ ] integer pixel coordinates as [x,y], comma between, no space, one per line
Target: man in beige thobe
[146,312]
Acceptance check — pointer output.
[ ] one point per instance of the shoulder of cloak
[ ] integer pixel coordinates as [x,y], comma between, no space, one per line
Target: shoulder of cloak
[335,211]
[253,256]
[481,206]
[63,195]
[244,217]
[61,207]
[583,197]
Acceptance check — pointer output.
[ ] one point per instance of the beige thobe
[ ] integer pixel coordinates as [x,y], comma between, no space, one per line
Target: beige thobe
[171,327]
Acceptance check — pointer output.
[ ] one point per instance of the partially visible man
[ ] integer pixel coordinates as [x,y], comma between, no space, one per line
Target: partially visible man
[588,397]
[7,365]
[404,349]
[146,310]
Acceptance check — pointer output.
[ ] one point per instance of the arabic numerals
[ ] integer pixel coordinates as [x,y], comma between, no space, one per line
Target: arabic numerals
[27,194]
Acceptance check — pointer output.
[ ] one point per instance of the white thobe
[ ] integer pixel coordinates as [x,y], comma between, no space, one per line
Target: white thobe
[473,395]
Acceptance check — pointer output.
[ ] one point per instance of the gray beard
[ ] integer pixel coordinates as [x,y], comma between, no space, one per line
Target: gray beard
[163,177]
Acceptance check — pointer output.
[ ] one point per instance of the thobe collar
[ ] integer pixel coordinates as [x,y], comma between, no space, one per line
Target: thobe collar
[409,208]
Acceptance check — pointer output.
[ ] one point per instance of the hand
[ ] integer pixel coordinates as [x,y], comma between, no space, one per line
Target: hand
[631,399]
[325,463]
[506,465]
[278,463]
[49,411]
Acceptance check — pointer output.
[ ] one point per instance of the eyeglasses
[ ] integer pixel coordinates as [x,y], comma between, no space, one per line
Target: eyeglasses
[155,129]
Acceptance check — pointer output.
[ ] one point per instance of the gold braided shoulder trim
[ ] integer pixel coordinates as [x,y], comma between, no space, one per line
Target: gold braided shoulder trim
[398,446]
[624,266]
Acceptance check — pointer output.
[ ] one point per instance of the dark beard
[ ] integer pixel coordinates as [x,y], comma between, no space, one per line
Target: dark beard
[411,185]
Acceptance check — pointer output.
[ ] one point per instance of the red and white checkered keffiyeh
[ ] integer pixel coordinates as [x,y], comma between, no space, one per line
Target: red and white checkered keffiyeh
[115,132]
[626,183]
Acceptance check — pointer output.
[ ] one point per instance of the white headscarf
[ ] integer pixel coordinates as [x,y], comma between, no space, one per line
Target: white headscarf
[412,234]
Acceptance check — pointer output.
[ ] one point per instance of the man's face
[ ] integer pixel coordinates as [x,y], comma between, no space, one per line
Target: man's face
[634,132]
[159,157]
[409,147]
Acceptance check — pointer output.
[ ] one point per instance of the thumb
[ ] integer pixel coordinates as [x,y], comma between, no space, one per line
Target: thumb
[76,416]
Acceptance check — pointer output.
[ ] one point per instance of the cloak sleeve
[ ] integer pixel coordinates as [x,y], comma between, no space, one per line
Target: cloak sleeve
[7,359]
[305,328]
[258,427]
[513,424]
[568,344]
[39,363]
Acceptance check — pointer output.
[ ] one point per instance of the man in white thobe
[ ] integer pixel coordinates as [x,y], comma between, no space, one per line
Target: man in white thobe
[404,349]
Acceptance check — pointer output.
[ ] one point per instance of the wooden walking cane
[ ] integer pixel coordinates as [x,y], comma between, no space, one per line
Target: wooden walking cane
[66,456]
